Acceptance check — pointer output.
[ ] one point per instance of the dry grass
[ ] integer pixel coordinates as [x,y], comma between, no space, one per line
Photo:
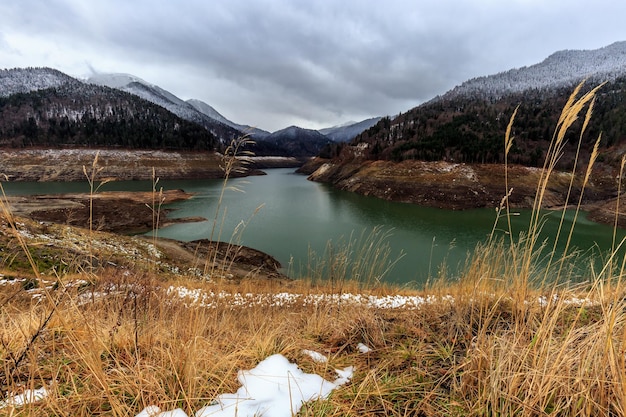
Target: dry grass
[508,337]
[124,342]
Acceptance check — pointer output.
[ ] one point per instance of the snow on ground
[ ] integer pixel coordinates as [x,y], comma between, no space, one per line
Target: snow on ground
[27,397]
[210,299]
[201,298]
[316,356]
[363,348]
[267,158]
[274,388]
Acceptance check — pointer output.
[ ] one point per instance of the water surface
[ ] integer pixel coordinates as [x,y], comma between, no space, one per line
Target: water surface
[287,216]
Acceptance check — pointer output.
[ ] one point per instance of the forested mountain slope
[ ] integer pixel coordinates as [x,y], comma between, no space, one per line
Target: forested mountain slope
[43,107]
[448,152]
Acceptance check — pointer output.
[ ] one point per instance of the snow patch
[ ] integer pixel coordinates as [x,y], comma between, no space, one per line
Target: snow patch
[363,348]
[274,388]
[316,356]
[27,397]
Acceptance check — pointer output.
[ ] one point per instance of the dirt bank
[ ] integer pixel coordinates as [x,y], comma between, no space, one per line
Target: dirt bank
[57,229]
[70,164]
[459,186]
[115,211]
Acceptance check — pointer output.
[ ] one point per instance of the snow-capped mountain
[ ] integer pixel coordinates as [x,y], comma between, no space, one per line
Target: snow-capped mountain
[467,123]
[205,108]
[561,69]
[348,131]
[25,80]
[164,98]
[44,107]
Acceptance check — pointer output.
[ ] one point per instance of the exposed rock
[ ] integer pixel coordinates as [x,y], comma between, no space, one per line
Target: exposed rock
[70,164]
[311,165]
[452,185]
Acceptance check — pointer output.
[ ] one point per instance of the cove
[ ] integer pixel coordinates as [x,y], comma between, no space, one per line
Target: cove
[287,216]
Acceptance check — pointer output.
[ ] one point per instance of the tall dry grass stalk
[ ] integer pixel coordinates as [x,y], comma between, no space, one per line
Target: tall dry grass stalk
[7,215]
[231,164]
[157,203]
[91,176]
[365,259]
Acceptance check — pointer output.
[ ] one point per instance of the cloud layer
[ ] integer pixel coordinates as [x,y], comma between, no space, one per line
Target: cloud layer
[274,63]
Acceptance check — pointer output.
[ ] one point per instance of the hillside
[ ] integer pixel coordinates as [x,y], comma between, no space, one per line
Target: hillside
[295,141]
[155,94]
[103,324]
[467,124]
[43,107]
[348,131]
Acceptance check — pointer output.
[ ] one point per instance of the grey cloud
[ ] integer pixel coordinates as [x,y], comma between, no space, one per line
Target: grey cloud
[312,60]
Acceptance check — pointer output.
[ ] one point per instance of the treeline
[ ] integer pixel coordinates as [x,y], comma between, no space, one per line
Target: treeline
[89,115]
[472,130]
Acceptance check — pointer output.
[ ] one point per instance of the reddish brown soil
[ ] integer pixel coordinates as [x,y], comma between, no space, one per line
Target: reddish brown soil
[462,186]
[119,212]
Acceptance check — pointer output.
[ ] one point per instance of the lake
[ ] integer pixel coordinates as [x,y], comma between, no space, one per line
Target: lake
[288,216]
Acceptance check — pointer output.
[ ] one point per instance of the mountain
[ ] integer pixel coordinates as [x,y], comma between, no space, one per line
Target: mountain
[13,81]
[157,95]
[208,110]
[348,131]
[44,107]
[449,151]
[467,124]
[278,144]
[561,69]
[295,141]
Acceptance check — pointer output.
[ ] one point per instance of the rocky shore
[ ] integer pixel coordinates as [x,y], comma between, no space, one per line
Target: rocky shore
[113,211]
[70,164]
[57,228]
[464,186]
[126,213]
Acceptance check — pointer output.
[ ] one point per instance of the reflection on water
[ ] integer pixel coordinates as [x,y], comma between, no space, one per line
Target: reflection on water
[297,216]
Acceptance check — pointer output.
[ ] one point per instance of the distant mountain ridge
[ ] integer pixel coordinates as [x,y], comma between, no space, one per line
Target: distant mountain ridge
[467,123]
[285,142]
[297,141]
[164,98]
[44,107]
[348,131]
[561,69]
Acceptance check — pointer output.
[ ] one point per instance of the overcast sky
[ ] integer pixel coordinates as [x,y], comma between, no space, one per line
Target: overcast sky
[312,63]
